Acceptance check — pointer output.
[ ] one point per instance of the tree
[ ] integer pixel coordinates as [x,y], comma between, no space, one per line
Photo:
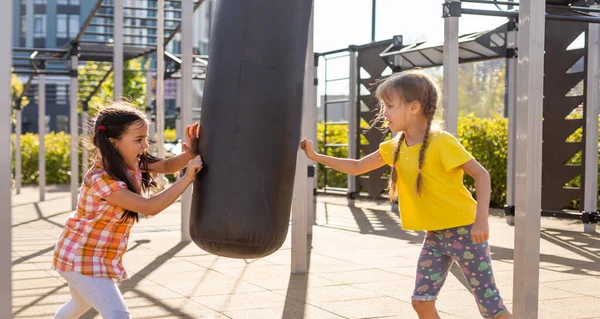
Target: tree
[134,84]
[16,90]
[480,88]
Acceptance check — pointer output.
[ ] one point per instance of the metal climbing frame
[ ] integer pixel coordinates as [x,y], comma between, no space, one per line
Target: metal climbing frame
[364,67]
[342,118]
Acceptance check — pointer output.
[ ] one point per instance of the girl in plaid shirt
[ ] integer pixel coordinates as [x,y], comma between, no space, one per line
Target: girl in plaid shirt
[89,251]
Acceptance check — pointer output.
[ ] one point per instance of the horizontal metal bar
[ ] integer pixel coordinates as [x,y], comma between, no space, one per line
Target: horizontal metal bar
[508,3]
[16,71]
[514,14]
[323,54]
[575,8]
[337,79]
[99,34]
[336,101]
[40,50]
[140,9]
[336,123]
[508,14]
[130,27]
[335,145]
[573,18]
[562,214]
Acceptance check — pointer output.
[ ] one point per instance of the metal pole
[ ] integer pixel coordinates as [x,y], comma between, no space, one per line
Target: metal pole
[29,21]
[73,128]
[373,20]
[5,164]
[309,126]
[311,134]
[301,186]
[160,70]
[42,135]
[528,190]
[511,68]
[85,132]
[591,125]
[352,120]
[450,89]
[18,155]
[185,85]
[152,123]
[118,50]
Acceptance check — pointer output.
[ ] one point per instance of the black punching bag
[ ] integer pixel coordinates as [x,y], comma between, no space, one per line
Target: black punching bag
[251,116]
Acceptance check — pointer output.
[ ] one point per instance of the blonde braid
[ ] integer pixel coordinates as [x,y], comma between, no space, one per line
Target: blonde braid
[393,175]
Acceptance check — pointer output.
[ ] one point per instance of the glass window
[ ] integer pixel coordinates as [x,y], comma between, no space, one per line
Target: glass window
[74,25]
[39,26]
[61,25]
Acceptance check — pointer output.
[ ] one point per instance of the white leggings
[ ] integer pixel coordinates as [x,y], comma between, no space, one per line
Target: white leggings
[100,293]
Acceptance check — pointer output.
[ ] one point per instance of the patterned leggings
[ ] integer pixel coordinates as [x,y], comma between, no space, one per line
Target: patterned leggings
[442,248]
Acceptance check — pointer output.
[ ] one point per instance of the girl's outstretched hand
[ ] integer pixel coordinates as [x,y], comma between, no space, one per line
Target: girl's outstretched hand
[308,148]
[192,135]
[193,167]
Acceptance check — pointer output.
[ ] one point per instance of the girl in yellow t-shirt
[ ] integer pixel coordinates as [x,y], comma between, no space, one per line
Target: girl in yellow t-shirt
[427,178]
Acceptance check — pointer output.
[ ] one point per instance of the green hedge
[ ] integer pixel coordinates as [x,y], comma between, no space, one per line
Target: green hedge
[58,158]
[485,138]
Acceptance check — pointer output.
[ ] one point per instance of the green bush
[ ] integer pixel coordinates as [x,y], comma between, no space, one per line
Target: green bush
[485,138]
[58,158]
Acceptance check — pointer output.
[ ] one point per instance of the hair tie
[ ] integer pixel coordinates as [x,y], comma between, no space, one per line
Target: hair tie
[101,128]
[420,170]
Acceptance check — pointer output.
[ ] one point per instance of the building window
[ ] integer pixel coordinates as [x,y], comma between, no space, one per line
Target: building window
[74,25]
[62,123]
[61,25]
[62,2]
[74,2]
[23,26]
[61,94]
[39,26]
[40,2]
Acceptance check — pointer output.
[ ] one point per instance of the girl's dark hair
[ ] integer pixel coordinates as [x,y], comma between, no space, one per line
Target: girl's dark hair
[114,121]
[410,86]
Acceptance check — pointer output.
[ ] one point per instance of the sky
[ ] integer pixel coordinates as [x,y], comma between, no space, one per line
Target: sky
[340,23]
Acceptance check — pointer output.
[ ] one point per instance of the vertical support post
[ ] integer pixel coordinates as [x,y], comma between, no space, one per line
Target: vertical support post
[85,119]
[152,124]
[42,135]
[18,151]
[73,126]
[300,198]
[118,50]
[5,164]
[373,20]
[186,89]
[591,128]
[309,125]
[160,80]
[179,133]
[29,23]
[311,133]
[511,93]
[451,14]
[528,188]
[352,121]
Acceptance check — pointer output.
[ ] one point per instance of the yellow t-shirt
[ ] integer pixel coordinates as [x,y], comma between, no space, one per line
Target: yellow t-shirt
[444,201]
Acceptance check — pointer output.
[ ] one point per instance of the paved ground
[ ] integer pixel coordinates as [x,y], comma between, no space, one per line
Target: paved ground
[361,266]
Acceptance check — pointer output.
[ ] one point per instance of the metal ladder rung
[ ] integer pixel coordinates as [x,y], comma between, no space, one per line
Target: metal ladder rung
[336,101]
[336,145]
[337,79]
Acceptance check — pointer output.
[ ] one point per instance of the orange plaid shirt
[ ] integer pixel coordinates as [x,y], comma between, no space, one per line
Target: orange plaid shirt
[95,237]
